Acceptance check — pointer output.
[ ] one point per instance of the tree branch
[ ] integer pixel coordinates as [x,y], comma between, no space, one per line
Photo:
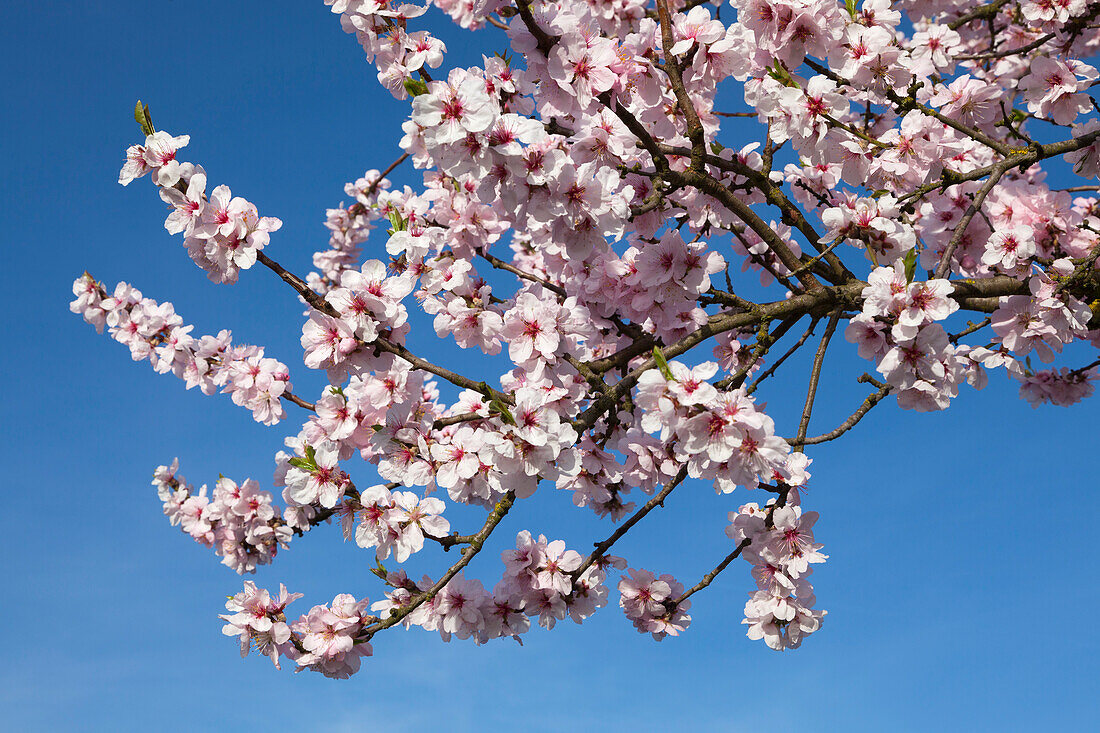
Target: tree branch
[657,500]
[458,380]
[786,355]
[960,229]
[683,99]
[709,577]
[468,553]
[870,402]
[291,397]
[815,374]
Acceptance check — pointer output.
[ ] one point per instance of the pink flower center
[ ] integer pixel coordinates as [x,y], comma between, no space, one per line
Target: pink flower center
[582,68]
[922,298]
[452,110]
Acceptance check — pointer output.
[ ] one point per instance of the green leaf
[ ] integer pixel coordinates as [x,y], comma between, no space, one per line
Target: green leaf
[415,87]
[659,357]
[497,406]
[141,115]
[910,262]
[851,6]
[301,463]
[781,75]
[398,223]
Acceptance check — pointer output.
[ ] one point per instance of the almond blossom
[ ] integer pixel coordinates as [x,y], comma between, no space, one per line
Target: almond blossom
[637,276]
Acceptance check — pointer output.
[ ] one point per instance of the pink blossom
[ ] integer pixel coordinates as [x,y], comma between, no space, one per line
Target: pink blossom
[328,637]
[1007,248]
[1052,85]
[696,27]
[160,155]
[318,480]
[411,518]
[259,620]
[135,166]
[968,100]
[327,341]
[187,206]
[454,108]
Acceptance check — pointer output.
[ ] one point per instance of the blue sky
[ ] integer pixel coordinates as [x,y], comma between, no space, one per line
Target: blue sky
[961,584]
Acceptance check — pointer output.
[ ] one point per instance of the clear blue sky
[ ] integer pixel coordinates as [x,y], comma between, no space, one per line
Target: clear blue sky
[962,583]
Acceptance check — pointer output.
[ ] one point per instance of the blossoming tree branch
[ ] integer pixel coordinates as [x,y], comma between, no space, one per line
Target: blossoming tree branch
[914,219]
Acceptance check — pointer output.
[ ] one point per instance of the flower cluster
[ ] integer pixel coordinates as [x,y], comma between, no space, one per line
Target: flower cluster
[584,214]
[349,227]
[259,621]
[1058,386]
[872,223]
[223,233]
[382,31]
[720,436]
[325,638]
[1043,322]
[398,522]
[898,330]
[155,332]
[239,520]
[653,603]
[780,546]
[540,580]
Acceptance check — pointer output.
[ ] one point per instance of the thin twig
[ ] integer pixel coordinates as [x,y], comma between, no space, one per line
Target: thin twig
[970,328]
[709,577]
[458,380]
[443,422]
[308,294]
[815,374]
[764,341]
[786,355]
[657,500]
[975,206]
[872,400]
[291,397]
[381,176]
[502,265]
[468,553]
